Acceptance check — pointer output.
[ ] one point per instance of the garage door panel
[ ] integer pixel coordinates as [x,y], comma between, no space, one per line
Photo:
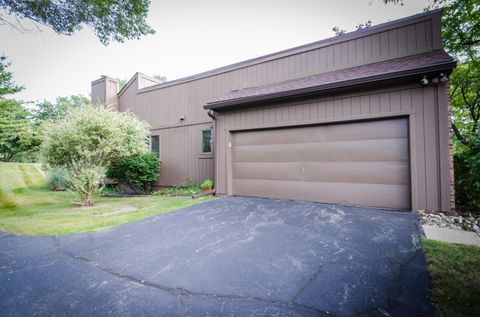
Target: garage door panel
[347,193]
[328,133]
[354,172]
[364,163]
[386,150]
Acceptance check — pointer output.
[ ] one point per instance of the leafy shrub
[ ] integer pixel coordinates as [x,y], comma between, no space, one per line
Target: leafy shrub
[89,139]
[110,190]
[207,184]
[467,176]
[87,181]
[139,171]
[57,179]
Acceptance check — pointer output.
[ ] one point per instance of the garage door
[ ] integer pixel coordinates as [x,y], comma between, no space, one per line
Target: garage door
[363,163]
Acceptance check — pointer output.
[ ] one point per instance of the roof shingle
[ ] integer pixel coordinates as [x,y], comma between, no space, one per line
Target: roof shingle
[341,78]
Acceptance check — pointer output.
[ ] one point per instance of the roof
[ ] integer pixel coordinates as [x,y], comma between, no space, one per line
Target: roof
[419,64]
[303,48]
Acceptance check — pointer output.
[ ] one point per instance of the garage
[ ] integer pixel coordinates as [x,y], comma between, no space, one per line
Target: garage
[361,163]
[368,123]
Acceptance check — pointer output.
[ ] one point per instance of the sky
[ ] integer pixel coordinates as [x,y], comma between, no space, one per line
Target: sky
[191,36]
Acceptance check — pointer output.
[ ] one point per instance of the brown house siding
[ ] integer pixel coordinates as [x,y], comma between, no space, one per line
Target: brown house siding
[181,155]
[430,183]
[162,105]
[427,108]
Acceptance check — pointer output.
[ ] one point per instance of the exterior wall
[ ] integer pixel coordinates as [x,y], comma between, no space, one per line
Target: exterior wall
[429,139]
[181,155]
[162,105]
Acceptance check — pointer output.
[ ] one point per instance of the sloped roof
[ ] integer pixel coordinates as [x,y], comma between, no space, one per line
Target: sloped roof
[437,60]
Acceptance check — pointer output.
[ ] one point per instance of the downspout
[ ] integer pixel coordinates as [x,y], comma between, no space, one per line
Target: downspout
[212,114]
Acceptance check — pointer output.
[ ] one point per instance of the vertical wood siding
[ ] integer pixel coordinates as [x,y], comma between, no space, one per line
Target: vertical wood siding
[419,104]
[162,105]
[181,155]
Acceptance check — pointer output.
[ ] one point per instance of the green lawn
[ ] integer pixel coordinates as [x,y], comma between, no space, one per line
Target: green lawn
[455,270]
[28,207]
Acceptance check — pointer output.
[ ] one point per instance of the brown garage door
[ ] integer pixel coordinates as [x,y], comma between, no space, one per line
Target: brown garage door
[362,163]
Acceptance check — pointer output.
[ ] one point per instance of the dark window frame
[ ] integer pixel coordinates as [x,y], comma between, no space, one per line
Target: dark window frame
[203,142]
[152,145]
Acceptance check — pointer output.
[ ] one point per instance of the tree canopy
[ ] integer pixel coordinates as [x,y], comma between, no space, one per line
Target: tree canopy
[17,135]
[117,20]
[46,110]
[7,86]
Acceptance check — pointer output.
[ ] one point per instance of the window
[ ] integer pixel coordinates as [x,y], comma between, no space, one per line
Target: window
[206,141]
[155,145]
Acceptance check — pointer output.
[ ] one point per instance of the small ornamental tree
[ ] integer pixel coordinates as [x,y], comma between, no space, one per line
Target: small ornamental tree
[87,140]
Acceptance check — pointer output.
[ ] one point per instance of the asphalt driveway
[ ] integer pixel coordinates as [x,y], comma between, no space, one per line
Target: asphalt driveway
[229,257]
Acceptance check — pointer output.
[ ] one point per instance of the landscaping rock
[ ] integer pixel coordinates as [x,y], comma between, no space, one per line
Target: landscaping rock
[458,222]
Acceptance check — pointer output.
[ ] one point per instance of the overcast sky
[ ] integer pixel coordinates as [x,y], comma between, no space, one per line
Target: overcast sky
[191,36]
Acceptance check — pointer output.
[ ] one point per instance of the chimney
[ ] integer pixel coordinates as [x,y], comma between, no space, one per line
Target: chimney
[104,92]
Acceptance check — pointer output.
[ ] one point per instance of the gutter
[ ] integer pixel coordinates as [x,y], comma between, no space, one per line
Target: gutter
[213,115]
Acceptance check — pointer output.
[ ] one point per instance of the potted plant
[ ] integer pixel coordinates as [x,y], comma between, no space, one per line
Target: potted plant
[206,185]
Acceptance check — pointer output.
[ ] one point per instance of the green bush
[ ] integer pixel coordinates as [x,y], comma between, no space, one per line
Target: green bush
[89,139]
[467,176]
[57,180]
[110,190]
[139,171]
[207,184]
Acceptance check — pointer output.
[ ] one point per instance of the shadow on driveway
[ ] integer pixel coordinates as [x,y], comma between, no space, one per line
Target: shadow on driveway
[233,256]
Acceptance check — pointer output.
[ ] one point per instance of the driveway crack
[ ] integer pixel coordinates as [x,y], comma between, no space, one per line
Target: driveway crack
[310,280]
[185,309]
[178,292]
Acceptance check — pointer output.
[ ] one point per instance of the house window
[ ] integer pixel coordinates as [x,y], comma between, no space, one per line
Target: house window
[155,145]
[206,141]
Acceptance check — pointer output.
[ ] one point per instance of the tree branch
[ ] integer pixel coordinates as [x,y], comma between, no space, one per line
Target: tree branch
[459,135]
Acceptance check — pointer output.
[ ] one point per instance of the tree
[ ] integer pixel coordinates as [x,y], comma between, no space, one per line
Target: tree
[117,20]
[121,83]
[7,86]
[17,135]
[46,110]
[87,140]
[465,97]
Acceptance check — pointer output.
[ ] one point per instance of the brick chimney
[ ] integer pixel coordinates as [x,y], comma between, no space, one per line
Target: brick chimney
[104,92]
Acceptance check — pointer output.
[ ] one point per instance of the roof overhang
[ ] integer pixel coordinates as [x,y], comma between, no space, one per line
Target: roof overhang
[444,65]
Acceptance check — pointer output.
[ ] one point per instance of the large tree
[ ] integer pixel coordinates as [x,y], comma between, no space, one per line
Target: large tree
[17,135]
[116,20]
[7,86]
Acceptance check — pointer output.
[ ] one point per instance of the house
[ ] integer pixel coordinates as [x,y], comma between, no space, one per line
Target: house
[362,118]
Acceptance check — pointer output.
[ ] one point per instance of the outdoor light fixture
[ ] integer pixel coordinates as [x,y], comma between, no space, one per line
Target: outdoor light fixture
[435,80]
[443,78]
[424,80]
[182,117]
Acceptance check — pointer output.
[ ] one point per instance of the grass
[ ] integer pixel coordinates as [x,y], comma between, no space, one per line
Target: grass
[455,270]
[27,206]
